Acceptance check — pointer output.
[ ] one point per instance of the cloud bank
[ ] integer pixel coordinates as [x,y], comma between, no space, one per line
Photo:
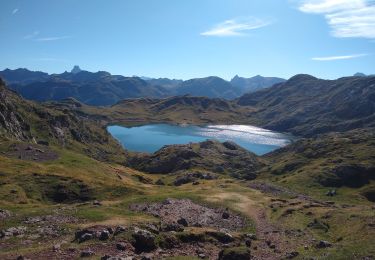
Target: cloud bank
[347,18]
[236,27]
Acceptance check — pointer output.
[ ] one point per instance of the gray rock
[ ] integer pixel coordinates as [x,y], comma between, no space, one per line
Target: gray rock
[144,241]
[225,215]
[85,237]
[183,222]
[104,235]
[87,253]
[121,246]
[119,229]
[323,244]
[291,255]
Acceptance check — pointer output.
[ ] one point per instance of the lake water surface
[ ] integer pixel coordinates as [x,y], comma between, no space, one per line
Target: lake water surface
[150,138]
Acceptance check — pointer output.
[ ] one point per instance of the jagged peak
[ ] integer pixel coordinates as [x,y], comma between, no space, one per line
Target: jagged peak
[76,69]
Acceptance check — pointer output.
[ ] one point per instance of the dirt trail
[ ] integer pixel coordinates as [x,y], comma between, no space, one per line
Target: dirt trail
[272,241]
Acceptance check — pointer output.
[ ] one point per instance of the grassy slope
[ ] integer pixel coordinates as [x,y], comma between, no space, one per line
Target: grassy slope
[75,168]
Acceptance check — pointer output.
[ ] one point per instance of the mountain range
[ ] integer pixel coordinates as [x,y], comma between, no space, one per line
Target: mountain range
[102,88]
[71,190]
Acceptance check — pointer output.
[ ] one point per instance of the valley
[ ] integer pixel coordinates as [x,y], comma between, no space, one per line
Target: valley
[69,190]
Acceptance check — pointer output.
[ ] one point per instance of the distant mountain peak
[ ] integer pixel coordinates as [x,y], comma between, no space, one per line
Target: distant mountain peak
[360,74]
[76,69]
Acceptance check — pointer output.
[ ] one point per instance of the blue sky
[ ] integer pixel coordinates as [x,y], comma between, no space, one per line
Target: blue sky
[190,38]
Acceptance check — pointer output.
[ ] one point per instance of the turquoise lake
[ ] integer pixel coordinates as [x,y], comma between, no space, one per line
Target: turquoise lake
[150,138]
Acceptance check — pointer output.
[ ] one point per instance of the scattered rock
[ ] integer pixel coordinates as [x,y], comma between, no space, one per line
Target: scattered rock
[119,229]
[4,214]
[21,257]
[121,246]
[171,227]
[331,193]
[251,236]
[13,232]
[248,242]
[56,248]
[291,255]
[222,237]
[171,210]
[160,182]
[323,244]
[235,253]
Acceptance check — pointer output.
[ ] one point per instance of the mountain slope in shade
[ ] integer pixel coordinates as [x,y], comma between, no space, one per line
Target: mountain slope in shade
[102,88]
[212,87]
[22,76]
[305,105]
[90,88]
[255,83]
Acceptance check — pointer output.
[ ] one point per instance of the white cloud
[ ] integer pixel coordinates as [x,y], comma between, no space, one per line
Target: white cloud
[343,57]
[32,35]
[15,11]
[236,27]
[347,18]
[57,38]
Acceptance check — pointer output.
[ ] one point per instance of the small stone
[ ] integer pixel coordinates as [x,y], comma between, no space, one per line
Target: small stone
[202,256]
[160,182]
[97,203]
[87,253]
[56,248]
[119,229]
[104,235]
[225,215]
[251,236]
[291,255]
[183,222]
[21,257]
[85,237]
[121,246]
[323,244]
[248,243]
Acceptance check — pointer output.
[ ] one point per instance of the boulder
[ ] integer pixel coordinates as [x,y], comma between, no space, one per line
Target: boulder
[144,241]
